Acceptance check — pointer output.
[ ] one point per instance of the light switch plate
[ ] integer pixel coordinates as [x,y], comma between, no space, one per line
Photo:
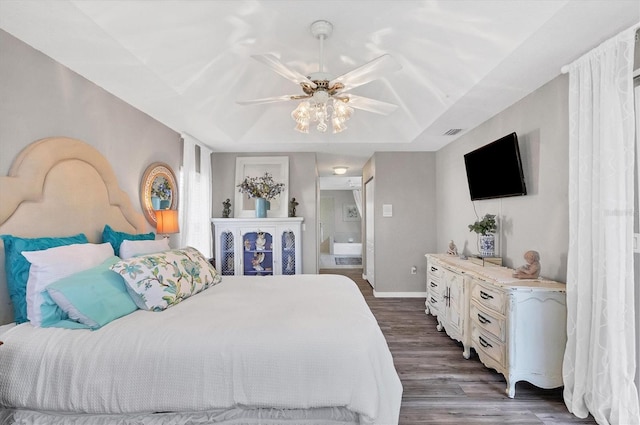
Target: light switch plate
[387,210]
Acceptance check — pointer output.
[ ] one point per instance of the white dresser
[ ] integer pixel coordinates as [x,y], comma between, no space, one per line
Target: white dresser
[517,327]
[258,246]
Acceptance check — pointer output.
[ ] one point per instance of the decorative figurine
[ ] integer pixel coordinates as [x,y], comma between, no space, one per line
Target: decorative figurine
[292,207]
[290,264]
[453,249]
[256,262]
[226,208]
[260,242]
[531,270]
[230,263]
[289,240]
[247,245]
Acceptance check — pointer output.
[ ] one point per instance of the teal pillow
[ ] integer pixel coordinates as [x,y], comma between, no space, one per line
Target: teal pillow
[50,311]
[17,267]
[92,297]
[115,238]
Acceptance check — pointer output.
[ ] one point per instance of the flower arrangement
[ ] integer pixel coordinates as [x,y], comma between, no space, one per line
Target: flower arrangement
[261,187]
[161,188]
[484,226]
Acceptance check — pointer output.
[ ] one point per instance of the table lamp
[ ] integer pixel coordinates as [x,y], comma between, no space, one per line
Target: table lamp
[166,222]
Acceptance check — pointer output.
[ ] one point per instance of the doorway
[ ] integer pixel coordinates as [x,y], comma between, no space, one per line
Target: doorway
[340,228]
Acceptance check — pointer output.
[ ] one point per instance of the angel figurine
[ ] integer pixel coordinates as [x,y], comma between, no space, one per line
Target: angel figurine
[453,249]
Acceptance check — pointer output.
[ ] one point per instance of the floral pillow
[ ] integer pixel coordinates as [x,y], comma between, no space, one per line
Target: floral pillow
[158,281]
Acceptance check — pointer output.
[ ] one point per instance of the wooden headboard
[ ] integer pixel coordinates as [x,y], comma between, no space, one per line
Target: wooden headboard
[59,187]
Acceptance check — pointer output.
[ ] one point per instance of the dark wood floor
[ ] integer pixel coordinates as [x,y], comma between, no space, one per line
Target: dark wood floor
[441,386]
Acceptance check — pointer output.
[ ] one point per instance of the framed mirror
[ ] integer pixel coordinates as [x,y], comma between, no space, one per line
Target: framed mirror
[158,190]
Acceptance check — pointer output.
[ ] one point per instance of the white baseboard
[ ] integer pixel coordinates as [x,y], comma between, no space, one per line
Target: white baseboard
[399,294]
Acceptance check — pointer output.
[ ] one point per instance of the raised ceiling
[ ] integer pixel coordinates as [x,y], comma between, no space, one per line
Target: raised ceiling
[186,63]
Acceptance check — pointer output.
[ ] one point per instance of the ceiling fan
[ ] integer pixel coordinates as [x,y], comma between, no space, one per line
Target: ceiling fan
[326,97]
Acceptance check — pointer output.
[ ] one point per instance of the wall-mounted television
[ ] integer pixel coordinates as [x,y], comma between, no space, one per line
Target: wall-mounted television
[495,170]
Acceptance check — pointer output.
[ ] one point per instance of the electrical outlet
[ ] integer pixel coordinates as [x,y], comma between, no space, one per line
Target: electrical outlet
[414,270]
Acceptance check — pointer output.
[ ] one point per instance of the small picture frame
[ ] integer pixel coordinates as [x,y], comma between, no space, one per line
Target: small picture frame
[350,212]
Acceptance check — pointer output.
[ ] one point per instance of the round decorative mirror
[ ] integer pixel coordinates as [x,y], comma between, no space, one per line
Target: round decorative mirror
[158,190]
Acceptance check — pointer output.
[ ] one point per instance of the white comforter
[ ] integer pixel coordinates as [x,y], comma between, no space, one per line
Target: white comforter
[293,342]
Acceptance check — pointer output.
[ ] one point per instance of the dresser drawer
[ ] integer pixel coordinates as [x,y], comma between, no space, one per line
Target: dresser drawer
[434,270]
[434,286]
[486,345]
[489,297]
[488,321]
[435,304]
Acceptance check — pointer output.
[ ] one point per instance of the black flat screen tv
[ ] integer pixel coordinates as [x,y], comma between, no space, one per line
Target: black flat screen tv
[495,170]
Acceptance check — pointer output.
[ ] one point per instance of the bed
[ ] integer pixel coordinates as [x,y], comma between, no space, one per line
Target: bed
[300,349]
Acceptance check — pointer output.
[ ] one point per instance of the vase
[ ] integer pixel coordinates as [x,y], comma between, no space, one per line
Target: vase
[155,202]
[487,245]
[261,208]
[164,204]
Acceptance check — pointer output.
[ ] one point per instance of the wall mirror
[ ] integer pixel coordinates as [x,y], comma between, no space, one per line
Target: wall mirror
[158,190]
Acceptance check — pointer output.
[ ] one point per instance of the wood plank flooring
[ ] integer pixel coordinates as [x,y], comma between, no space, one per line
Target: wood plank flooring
[441,386]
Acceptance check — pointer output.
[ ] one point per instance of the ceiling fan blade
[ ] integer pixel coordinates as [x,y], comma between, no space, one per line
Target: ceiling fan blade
[274,63]
[371,105]
[368,72]
[272,99]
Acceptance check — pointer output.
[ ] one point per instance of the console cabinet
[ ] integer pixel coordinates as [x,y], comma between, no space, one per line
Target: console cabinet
[447,301]
[517,327]
[258,247]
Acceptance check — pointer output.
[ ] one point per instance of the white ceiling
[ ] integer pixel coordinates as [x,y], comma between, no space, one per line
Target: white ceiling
[186,63]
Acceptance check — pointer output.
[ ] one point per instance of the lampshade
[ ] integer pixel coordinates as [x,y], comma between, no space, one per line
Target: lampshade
[167,222]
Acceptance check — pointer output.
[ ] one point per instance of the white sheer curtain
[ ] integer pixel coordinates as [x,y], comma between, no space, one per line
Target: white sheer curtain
[357,196]
[195,197]
[600,358]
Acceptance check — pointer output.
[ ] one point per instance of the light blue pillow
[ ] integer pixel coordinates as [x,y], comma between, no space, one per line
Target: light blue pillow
[17,267]
[115,238]
[54,317]
[92,297]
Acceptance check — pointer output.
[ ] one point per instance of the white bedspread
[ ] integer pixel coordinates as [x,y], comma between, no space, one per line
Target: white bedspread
[292,342]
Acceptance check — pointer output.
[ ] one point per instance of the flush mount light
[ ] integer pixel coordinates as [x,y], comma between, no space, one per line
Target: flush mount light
[340,170]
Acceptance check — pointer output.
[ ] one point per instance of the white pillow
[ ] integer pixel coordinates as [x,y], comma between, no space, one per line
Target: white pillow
[130,249]
[50,265]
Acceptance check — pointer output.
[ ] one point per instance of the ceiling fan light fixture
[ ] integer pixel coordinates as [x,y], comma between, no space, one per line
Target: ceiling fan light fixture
[302,127]
[302,115]
[338,125]
[326,102]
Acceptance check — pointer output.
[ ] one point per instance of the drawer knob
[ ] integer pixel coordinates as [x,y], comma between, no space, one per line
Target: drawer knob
[484,342]
[483,319]
[485,296]
[433,301]
[433,285]
[433,269]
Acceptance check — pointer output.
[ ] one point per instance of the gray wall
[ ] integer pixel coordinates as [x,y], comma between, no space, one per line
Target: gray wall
[407,181]
[41,98]
[303,185]
[539,220]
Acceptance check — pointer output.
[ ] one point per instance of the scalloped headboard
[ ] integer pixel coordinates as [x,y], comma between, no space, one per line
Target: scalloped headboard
[58,187]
